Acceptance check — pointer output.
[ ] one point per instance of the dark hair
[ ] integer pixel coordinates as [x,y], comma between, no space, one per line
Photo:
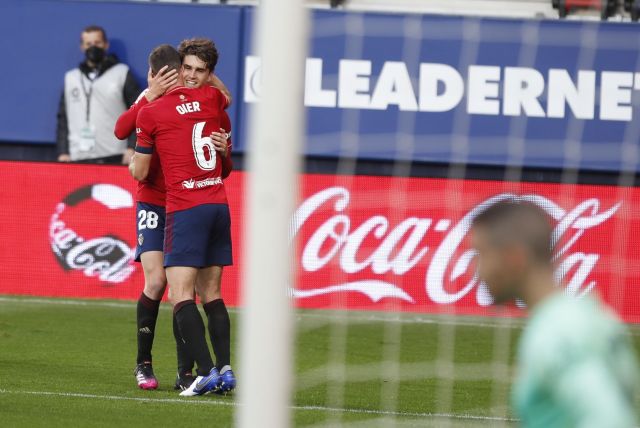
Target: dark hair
[203,48]
[518,222]
[164,55]
[94,28]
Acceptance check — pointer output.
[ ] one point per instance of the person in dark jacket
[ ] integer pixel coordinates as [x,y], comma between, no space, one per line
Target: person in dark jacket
[95,94]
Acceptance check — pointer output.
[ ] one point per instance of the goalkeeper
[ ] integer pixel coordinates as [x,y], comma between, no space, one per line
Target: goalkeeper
[576,366]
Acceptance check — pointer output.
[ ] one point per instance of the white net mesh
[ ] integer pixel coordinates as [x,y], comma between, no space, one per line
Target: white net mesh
[405,334]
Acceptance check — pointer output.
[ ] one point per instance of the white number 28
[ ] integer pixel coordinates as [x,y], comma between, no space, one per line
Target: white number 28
[147,220]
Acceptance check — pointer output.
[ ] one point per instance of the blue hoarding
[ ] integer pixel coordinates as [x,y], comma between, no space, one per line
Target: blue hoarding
[378,86]
[40,41]
[455,89]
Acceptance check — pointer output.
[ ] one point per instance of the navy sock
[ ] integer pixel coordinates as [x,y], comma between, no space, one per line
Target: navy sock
[219,331]
[146,317]
[185,361]
[192,332]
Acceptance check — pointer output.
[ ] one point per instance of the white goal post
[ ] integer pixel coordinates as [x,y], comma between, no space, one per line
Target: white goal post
[276,133]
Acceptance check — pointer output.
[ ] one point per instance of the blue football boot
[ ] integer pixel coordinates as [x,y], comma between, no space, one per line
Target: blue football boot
[203,384]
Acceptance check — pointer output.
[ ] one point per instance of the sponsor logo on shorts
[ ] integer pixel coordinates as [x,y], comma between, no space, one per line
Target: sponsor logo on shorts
[140,239]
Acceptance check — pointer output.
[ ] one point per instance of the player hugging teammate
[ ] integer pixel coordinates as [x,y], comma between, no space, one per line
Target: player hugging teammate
[193,252]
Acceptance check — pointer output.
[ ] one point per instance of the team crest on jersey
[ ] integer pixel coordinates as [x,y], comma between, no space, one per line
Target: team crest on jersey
[182,97]
[140,239]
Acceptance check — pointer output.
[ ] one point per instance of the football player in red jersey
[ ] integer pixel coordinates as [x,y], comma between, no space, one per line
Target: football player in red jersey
[178,127]
[151,211]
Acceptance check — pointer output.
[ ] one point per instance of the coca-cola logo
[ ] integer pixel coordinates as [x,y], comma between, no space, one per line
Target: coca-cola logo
[106,256]
[400,250]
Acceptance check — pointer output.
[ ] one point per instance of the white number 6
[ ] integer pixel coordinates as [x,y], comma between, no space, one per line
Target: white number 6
[199,143]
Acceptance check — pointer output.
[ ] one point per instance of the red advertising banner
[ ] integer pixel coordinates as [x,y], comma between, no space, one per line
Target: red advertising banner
[362,243]
[69,231]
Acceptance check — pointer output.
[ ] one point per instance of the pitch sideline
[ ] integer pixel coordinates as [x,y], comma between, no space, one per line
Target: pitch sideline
[406,318]
[234,404]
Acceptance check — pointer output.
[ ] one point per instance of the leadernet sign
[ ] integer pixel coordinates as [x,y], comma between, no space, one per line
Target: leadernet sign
[366,243]
[441,88]
[538,93]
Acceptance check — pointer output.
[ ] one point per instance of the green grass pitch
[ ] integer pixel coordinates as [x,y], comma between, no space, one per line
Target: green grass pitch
[69,363]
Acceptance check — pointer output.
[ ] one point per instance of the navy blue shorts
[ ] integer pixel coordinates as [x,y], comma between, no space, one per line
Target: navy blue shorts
[149,228]
[198,237]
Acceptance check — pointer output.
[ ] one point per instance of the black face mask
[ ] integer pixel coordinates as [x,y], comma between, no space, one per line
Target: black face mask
[95,54]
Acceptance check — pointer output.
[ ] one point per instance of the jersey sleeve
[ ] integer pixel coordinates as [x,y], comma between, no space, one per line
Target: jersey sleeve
[217,98]
[227,162]
[571,360]
[145,129]
[227,165]
[126,123]
[591,396]
[225,122]
[223,102]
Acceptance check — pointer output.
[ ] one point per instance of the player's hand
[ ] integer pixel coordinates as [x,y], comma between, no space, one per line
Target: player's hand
[220,144]
[127,156]
[159,83]
[64,158]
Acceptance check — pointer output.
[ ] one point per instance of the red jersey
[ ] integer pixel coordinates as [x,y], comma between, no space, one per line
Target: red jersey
[177,128]
[227,163]
[151,190]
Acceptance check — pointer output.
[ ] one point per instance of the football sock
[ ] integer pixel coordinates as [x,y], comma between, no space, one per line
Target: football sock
[185,361]
[192,332]
[219,331]
[146,317]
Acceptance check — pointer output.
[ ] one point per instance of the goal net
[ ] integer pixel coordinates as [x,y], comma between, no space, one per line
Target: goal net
[362,306]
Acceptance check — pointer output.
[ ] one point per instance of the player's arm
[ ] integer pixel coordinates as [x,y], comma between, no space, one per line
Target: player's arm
[139,166]
[132,164]
[145,128]
[158,84]
[217,83]
[227,163]
[126,123]
[222,145]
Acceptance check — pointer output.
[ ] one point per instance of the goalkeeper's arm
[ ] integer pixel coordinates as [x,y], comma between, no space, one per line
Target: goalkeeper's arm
[593,396]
